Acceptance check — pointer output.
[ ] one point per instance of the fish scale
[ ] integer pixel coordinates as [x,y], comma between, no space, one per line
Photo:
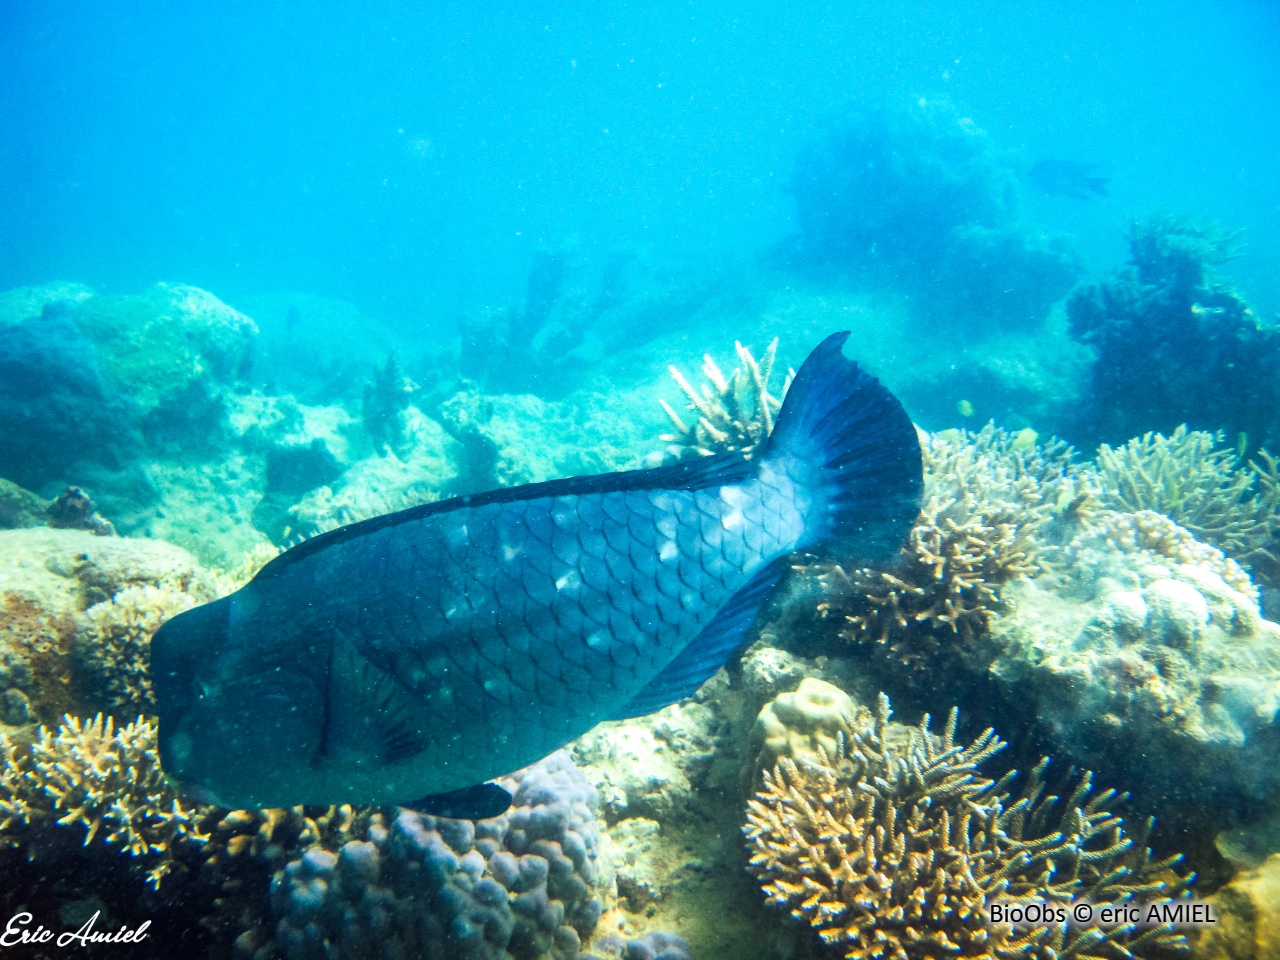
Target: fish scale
[430,650]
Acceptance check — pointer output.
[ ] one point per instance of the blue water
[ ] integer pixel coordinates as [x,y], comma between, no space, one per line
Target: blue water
[340,259]
[411,157]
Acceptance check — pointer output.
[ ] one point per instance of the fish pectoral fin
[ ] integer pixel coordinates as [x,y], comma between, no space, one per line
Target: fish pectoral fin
[480,802]
[371,713]
[709,650]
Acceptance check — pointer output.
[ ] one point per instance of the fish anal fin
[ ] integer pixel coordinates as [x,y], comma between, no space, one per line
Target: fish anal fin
[709,650]
[483,801]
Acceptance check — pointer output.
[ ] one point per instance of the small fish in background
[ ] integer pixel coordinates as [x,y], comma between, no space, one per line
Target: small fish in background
[292,320]
[1066,178]
[411,658]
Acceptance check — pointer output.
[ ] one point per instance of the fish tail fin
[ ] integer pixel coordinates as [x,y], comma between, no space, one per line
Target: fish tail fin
[854,450]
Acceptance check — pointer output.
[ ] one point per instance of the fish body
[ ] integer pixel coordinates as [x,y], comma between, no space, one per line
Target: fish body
[419,654]
[1066,178]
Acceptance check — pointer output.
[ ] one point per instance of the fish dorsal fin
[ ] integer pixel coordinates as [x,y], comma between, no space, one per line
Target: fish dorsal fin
[718,470]
[483,801]
[709,650]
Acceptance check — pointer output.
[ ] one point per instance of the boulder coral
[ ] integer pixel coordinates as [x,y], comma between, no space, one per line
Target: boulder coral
[805,724]
[1162,645]
[519,886]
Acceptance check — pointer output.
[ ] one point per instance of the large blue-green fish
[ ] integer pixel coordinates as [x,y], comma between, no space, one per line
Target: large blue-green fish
[410,658]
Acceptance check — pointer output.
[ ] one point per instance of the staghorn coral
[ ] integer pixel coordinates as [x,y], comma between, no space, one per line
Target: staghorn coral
[115,641]
[99,777]
[994,507]
[336,881]
[735,414]
[1187,477]
[897,852]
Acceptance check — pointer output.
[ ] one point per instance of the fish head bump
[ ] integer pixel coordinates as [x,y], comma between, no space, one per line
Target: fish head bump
[236,720]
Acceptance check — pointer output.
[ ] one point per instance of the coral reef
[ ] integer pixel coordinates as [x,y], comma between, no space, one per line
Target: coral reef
[915,197]
[994,503]
[157,345]
[325,882]
[1248,917]
[806,724]
[57,410]
[1175,344]
[734,414]
[115,642]
[22,303]
[48,579]
[21,508]
[1207,490]
[104,782]
[385,398]
[897,852]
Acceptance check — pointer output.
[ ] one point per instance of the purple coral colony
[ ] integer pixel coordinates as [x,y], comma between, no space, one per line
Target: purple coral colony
[1059,686]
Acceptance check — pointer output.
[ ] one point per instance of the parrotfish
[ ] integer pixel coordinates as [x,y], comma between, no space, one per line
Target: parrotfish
[410,658]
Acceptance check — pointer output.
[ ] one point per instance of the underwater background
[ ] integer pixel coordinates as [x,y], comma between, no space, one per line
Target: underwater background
[271,268]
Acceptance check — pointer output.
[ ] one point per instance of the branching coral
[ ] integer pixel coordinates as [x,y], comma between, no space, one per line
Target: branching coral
[1154,533]
[104,779]
[116,641]
[995,506]
[307,881]
[734,414]
[892,851]
[1207,490]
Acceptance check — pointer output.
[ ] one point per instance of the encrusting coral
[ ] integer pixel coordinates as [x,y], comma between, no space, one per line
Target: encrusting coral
[735,413]
[899,851]
[992,503]
[99,777]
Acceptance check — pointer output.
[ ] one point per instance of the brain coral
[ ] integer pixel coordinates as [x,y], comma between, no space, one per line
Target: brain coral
[892,851]
[806,723]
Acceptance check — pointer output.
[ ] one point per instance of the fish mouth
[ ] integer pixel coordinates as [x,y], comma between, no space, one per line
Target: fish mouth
[196,793]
